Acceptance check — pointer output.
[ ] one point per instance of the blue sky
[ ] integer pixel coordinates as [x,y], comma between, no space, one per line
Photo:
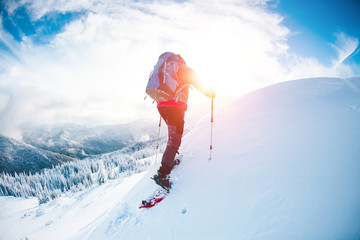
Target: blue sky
[20,25]
[88,61]
[317,22]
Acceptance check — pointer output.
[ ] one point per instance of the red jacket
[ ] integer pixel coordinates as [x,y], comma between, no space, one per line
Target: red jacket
[173,103]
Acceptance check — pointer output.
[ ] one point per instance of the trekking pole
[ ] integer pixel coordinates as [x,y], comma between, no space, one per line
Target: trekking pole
[157,146]
[212,122]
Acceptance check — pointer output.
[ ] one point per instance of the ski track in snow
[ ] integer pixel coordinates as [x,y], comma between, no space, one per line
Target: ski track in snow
[285,166]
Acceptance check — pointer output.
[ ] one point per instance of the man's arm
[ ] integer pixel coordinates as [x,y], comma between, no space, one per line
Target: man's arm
[191,77]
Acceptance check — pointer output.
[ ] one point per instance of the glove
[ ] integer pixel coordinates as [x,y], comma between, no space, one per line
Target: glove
[210,93]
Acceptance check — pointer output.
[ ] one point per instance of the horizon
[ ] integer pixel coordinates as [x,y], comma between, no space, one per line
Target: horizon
[88,62]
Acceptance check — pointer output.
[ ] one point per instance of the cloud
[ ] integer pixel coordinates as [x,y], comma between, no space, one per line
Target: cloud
[3,101]
[345,47]
[95,70]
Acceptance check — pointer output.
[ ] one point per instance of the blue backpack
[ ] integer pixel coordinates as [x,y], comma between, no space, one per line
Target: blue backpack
[164,83]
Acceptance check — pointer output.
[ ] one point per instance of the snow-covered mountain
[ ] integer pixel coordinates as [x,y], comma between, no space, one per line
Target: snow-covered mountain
[77,176]
[81,141]
[286,165]
[16,156]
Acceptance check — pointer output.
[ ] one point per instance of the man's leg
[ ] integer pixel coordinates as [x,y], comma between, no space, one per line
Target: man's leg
[174,119]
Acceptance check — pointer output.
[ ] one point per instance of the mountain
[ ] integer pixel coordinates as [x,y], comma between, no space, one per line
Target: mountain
[16,156]
[80,141]
[285,165]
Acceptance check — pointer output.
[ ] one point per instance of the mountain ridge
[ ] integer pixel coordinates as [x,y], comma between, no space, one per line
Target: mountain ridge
[80,141]
[18,157]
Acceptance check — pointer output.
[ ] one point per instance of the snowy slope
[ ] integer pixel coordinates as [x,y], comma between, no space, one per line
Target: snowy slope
[286,165]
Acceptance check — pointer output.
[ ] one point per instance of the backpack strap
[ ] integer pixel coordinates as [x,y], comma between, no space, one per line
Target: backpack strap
[164,69]
[178,91]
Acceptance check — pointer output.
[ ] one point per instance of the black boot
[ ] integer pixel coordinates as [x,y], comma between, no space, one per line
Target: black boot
[163,181]
[162,177]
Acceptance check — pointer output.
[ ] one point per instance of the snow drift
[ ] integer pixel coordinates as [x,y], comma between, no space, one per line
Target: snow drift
[286,165]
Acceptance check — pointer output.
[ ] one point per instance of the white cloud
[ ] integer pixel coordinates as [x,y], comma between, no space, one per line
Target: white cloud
[345,46]
[3,102]
[95,71]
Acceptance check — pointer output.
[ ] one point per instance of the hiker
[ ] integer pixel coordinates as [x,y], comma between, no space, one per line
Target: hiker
[173,110]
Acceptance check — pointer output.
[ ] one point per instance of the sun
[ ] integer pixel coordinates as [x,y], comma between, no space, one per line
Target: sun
[223,71]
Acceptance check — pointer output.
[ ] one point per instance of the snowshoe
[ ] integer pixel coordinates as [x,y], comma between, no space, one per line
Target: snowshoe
[155,198]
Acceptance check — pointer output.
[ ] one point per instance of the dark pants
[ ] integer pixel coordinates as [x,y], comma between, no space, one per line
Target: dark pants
[174,119]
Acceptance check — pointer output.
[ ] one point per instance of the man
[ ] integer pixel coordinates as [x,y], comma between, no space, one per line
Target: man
[173,113]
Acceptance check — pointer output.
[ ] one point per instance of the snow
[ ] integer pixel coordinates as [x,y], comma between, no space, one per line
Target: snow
[285,165]
[68,217]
